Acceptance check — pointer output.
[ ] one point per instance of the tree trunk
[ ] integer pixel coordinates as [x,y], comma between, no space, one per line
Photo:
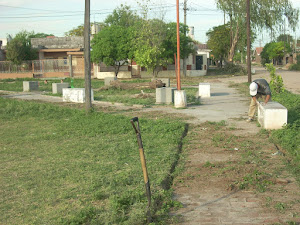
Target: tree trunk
[233,44]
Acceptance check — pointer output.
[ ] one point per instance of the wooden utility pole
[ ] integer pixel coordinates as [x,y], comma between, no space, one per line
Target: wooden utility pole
[184,59]
[178,48]
[87,57]
[248,42]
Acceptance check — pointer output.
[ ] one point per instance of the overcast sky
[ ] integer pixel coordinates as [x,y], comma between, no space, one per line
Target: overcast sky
[59,16]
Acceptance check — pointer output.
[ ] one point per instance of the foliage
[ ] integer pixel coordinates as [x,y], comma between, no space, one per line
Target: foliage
[297,65]
[112,46]
[19,48]
[269,14]
[122,16]
[219,41]
[285,38]
[274,51]
[70,168]
[276,82]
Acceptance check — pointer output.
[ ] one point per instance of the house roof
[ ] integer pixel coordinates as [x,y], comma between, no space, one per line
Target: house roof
[259,50]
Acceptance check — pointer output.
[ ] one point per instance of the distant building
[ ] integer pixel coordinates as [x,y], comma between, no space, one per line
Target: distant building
[257,53]
[3,44]
[70,49]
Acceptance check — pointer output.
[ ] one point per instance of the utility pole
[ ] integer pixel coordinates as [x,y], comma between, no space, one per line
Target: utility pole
[184,59]
[87,57]
[248,42]
[178,48]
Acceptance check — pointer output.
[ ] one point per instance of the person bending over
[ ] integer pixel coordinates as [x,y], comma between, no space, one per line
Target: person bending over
[259,89]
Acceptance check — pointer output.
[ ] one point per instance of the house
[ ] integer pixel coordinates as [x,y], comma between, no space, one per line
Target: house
[67,51]
[196,65]
[3,44]
[257,53]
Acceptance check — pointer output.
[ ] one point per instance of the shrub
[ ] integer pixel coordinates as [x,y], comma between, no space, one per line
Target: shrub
[276,80]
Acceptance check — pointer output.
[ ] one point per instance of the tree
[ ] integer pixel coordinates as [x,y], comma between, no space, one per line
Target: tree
[19,48]
[149,50]
[112,46]
[274,51]
[267,14]
[122,16]
[219,41]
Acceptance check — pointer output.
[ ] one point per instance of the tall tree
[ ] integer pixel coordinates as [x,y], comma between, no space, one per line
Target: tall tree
[219,42]
[19,48]
[267,14]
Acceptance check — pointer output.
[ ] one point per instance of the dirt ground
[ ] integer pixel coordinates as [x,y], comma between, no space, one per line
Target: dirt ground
[232,173]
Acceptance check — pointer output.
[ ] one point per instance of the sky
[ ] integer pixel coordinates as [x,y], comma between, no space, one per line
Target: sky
[59,16]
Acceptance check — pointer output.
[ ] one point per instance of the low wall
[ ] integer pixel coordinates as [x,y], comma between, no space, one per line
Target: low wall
[15,75]
[121,74]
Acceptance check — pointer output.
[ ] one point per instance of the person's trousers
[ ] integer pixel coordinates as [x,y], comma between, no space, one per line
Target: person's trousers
[253,105]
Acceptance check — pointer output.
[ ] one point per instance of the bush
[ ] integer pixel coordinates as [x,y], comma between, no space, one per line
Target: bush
[276,80]
[234,69]
[294,67]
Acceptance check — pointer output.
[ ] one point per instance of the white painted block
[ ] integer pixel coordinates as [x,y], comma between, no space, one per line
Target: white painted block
[180,100]
[272,116]
[75,95]
[160,95]
[170,95]
[204,90]
[57,87]
[30,86]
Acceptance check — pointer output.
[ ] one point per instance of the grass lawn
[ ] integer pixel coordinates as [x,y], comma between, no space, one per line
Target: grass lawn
[115,95]
[61,166]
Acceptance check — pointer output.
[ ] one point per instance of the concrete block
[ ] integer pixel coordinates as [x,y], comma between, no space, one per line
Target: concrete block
[180,100]
[165,95]
[204,90]
[272,116]
[57,87]
[170,95]
[160,95]
[30,86]
[107,80]
[75,95]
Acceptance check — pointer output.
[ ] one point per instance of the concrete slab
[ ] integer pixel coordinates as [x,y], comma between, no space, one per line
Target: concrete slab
[57,87]
[272,115]
[30,86]
[75,95]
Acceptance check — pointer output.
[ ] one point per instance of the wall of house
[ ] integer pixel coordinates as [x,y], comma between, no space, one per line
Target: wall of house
[15,75]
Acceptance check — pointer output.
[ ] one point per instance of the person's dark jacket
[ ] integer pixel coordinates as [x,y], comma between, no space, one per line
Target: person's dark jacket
[263,87]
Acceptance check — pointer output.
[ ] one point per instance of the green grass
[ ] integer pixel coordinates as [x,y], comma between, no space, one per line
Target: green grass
[61,166]
[288,137]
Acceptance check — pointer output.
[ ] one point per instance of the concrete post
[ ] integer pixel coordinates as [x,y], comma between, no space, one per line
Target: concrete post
[180,100]
[70,66]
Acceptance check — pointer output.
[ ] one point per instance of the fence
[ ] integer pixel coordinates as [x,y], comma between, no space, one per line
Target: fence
[36,66]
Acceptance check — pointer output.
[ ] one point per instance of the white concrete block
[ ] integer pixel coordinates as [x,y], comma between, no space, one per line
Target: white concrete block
[30,86]
[160,95]
[204,90]
[57,87]
[75,95]
[272,116]
[180,100]
[170,95]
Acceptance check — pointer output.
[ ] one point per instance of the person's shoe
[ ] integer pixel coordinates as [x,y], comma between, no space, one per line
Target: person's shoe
[249,119]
